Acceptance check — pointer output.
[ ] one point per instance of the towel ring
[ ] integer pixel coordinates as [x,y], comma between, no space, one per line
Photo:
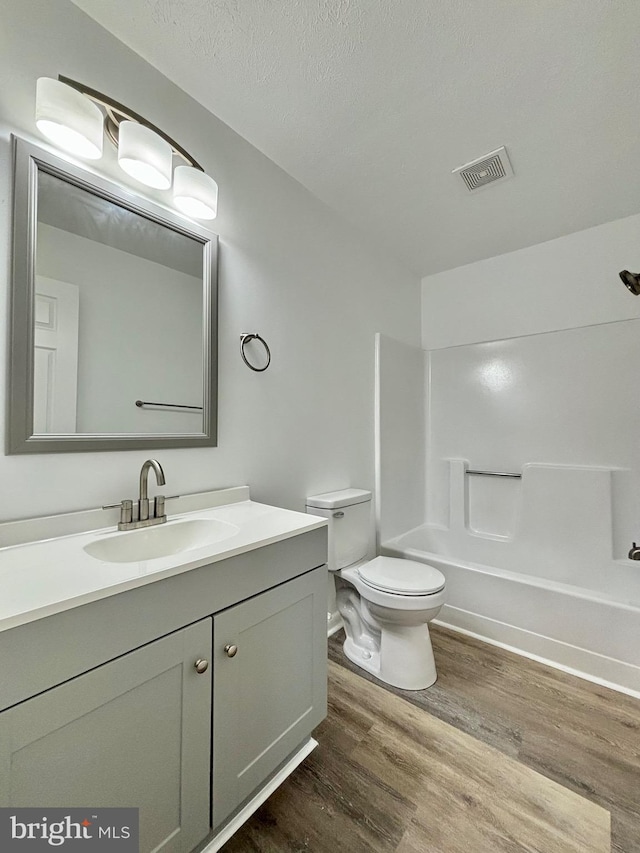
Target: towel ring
[244,339]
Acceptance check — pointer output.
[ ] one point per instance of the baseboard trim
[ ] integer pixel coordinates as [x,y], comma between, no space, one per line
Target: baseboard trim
[598,669]
[263,794]
[334,623]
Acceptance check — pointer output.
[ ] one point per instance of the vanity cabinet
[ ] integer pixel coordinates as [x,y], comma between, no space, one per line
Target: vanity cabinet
[102,704]
[269,685]
[133,732]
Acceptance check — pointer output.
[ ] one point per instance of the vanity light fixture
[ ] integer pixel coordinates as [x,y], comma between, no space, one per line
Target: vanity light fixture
[195,193]
[75,118]
[68,119]
[144,155]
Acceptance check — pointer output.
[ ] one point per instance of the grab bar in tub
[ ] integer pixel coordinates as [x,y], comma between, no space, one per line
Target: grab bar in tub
[493,474]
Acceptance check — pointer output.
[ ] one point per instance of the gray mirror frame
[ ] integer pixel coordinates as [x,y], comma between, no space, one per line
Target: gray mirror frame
[29,159]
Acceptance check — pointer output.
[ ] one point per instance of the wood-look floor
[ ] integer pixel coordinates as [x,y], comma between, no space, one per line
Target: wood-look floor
[501,755]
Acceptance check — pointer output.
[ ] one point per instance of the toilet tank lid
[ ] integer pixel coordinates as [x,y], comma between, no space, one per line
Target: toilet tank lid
[343,497]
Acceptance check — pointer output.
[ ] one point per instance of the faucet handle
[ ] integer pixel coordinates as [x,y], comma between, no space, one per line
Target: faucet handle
[158,506]
[126,510]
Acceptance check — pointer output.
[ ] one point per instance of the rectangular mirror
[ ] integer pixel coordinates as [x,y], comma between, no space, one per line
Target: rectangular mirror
[114,316]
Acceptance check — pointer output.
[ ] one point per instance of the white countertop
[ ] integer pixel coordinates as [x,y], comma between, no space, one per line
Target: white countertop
[38,579]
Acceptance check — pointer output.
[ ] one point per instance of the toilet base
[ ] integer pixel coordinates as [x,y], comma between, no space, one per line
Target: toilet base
[405,659]
[364,658]
[388,634]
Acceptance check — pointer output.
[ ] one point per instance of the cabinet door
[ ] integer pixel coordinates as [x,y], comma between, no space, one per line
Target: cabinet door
[134,732]
[271,694]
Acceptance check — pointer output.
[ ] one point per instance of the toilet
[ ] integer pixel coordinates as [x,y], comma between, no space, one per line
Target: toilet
[385,603]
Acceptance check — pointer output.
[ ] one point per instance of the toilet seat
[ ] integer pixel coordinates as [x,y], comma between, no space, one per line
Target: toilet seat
[401,577]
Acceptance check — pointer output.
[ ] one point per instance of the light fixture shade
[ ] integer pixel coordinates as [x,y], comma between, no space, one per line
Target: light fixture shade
[195,193]
[68,118]
[144,155]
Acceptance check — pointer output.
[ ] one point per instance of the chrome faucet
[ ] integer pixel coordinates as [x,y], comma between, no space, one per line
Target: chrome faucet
[143,512]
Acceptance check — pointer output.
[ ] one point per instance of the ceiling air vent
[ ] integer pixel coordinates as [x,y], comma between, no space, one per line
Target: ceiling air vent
[493,167]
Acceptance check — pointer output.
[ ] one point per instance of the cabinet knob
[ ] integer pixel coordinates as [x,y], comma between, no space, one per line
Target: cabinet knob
[201,665]
[231,651]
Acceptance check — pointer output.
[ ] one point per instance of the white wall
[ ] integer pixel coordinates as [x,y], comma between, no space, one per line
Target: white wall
[564,283]
[289,269]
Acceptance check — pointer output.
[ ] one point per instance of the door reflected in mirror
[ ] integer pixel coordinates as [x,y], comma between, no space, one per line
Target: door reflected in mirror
[119,305]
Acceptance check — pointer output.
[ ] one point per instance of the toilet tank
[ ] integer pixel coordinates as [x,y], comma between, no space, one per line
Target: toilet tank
[349,515]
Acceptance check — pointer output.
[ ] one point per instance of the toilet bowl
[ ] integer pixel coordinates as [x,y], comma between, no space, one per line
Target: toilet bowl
[385,603]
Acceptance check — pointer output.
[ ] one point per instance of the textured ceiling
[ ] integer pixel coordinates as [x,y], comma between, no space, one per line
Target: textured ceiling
[371,104]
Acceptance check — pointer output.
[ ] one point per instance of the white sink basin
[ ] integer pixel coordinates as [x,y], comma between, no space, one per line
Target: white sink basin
[150,543]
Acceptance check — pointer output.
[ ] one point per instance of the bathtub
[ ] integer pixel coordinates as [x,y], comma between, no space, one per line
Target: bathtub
[590,630]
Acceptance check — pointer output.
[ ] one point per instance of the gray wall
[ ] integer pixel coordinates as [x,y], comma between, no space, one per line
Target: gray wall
[290,269]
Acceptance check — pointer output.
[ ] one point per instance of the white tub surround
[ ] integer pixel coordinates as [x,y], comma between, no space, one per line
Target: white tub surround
[536,561]
[400,437]
[556,523]
[538,564]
